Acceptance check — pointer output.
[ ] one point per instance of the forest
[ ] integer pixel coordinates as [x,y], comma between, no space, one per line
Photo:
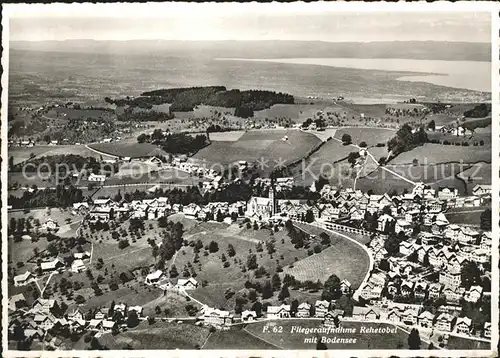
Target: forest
[186,99]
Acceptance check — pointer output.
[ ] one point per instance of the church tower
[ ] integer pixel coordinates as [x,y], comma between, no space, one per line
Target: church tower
[272,198]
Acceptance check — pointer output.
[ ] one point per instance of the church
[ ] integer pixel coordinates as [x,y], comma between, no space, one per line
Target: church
[260,208]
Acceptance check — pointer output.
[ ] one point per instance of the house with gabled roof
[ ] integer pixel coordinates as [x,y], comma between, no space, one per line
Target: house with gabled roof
[321,308]
[248,316]
[407,287]
[345,287]
[187,284]
[45,306]
[365,313]
[23,279]
[463,325]
[406,248]
[444,322]
[474,294]
[434,290]
[275,312]
[426,319]
[331,318]
[303,310]
[44,321]
[420,290]
[52,265]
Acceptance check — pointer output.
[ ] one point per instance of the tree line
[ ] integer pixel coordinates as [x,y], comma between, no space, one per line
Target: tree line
[177,143]
[186,99]
[60,196]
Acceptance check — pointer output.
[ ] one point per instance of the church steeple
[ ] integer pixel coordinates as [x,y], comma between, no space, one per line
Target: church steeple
[272,197]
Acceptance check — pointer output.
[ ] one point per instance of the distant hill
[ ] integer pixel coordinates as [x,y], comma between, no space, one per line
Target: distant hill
[420,50]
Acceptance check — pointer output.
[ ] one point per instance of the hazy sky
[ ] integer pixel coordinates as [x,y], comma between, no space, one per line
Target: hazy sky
[240,22]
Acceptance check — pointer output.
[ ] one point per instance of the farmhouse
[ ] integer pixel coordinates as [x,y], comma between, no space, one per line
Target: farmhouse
[187,284]
[426,319]
[345,287]
[333,318]
[444,322]
[154,277]
[51,265]
[77,266]
[463,325]
[23,279]
[45,306]
[44,322]
[304,310]
[50,225]
[248,316]
[216,318]
[321,308]
[481,189]
[274,312]
[98,178]
[474,294]
[365,313]
[446,193]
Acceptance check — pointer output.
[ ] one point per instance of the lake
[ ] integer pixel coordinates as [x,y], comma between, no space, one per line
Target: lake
[470,75]
[51,76]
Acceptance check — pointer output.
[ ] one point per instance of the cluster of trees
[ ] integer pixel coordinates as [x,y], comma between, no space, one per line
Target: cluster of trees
[479,111]
[485,220]
[232,193]
[244,102]
[176,143]
[129,115]
[406,140]
[172,241]
[320,123]
[139,102]
[59,196]
[346,139]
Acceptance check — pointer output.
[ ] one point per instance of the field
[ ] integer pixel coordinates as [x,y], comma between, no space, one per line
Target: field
[371,136]
[322,162]
[21,154]
[231,136]
[288,340]
[479,173]
[253,146]
[236,337]
[467,216]
[381,181]
[437,153]
[160,335]
[128,149]
[344,259]
[210,266]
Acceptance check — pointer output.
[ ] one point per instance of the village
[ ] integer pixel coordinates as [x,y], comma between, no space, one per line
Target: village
[417,259]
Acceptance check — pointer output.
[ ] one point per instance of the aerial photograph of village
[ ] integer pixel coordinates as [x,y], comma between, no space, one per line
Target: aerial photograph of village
[263,180]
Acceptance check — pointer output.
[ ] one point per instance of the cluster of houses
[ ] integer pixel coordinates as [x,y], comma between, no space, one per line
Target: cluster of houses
[77,264]
[326,310]
[107,209]
[45,317]
[446,319]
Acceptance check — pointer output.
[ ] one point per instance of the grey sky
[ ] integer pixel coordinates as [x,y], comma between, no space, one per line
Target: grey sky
[226,22]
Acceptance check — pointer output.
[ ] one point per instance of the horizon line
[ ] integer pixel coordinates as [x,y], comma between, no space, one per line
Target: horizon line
[246,40]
